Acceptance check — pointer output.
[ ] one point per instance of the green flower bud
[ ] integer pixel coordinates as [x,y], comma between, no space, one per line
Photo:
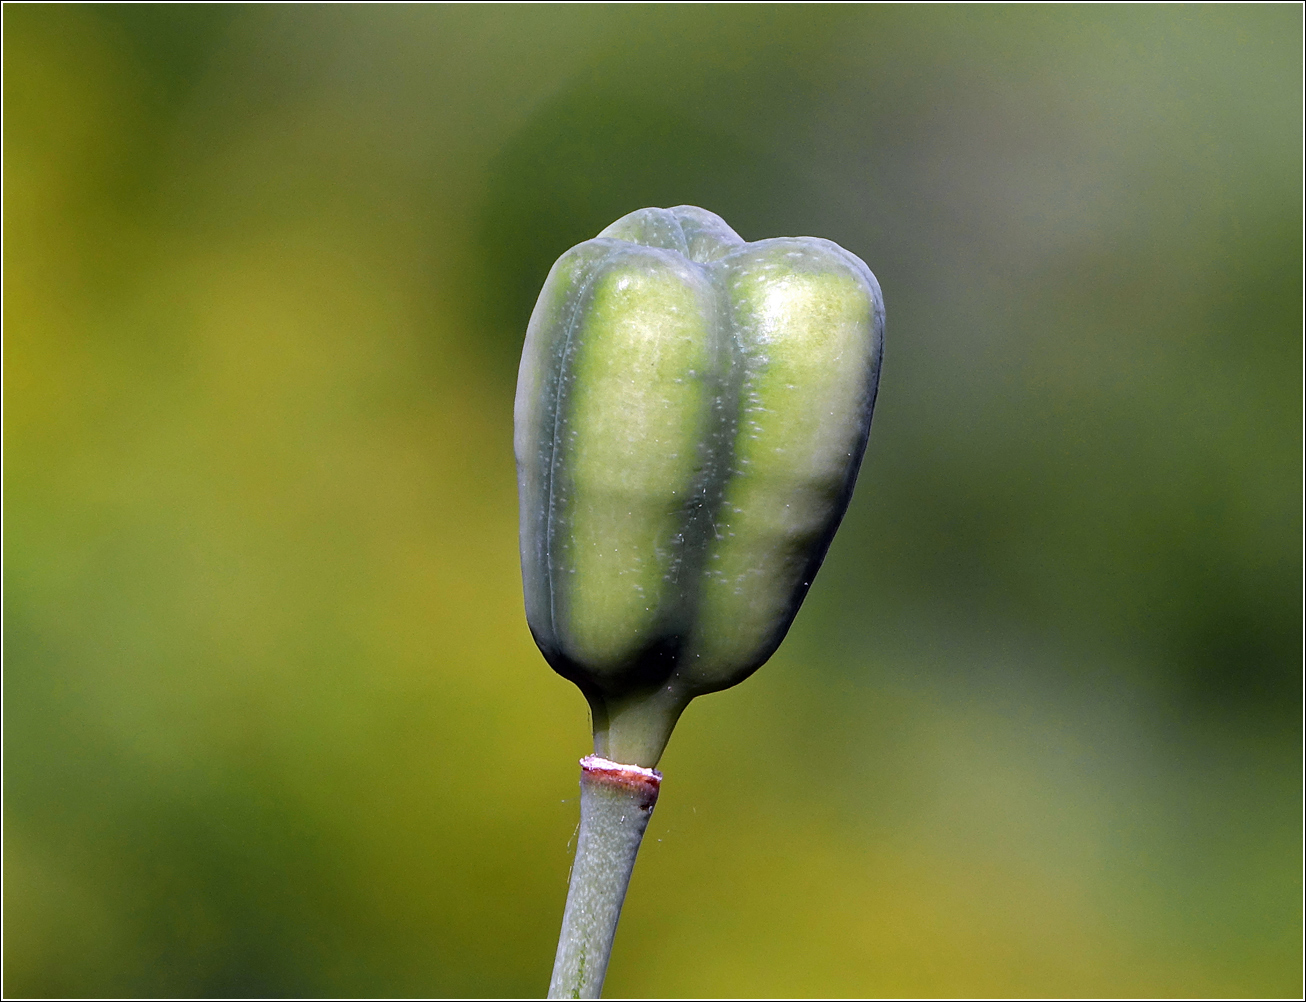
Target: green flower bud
[691,414]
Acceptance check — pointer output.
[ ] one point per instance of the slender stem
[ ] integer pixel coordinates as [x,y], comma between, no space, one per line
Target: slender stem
[615,804]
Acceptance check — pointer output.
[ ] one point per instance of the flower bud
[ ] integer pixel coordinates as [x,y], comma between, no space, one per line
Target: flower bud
[691,414]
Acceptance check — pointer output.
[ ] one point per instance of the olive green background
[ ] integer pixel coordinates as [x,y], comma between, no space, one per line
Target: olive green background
[274,724]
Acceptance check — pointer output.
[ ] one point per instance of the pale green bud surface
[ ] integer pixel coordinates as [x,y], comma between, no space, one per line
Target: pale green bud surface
[691,414]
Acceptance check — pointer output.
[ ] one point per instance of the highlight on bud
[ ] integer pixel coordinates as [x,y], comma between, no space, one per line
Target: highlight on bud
[691,414]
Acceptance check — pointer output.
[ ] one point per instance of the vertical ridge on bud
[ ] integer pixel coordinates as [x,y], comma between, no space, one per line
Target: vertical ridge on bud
[807,384]
[628,453]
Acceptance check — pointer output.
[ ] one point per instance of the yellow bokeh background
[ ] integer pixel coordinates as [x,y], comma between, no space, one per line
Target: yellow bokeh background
[274,723]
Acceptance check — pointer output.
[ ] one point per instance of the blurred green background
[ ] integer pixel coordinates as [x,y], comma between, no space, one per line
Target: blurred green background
[274,721]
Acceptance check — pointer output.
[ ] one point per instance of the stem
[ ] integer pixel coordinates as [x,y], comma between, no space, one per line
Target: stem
[635,728]
[615,804]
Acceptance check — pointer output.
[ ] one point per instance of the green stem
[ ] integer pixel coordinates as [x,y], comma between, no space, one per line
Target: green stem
[635,728]
[615,804]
